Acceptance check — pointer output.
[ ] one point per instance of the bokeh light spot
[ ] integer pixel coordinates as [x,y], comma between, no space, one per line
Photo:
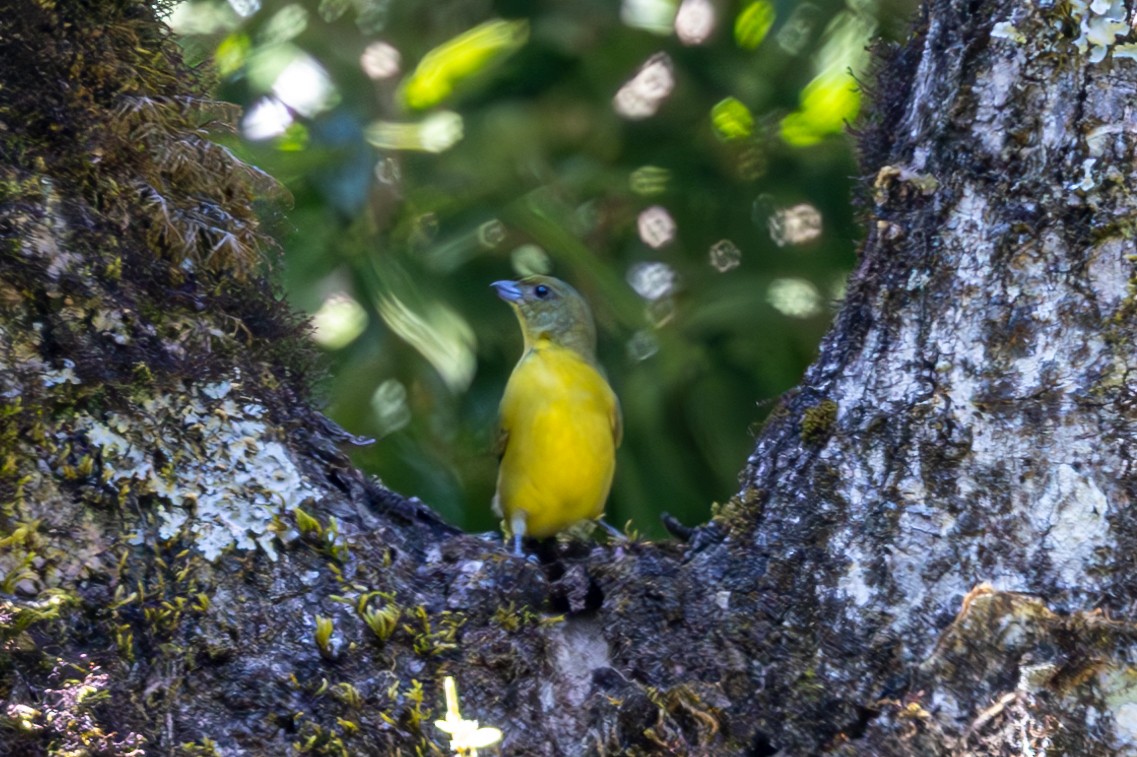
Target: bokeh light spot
[732,120]
[380,61]
[794,225]
[656,16]
[287,23]
[831,99]
[491,234]
[371,15]
[643,94]
[753,24]
[654,280]
[202,18]
[827,104]
[695,21]
[795,33]
[642,345]
[725,256]
[232,53]
[267,118]
[656,226]
[449,65]
[530,260]
[389,403]
[440,131]
[245,8]
[660,312]
[338,321]
[794,297]
[332,10]
[647,181]
[436,133]
[751,163]
[305,86]
[437,332]
[388,171]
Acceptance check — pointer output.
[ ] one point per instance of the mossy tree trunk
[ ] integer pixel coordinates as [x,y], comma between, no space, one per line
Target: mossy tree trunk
[943,511]
[932,551]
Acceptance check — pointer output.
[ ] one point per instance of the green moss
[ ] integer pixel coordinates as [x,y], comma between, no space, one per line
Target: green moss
[152,382]
[66,712]
[512,618]
[204,747]
[817,421]
[434,636]
[381,618]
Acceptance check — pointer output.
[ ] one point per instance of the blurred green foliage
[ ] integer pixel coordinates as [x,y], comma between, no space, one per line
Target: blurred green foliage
[681,163]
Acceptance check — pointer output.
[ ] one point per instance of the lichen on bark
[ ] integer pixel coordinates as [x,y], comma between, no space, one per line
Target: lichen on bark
[980,371]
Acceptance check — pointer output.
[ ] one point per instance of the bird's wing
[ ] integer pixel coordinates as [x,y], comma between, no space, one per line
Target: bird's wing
[616,417]
[507,411]
[502,439]
[506,417]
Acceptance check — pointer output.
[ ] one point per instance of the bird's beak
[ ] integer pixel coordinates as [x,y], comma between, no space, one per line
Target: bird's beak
[507,290]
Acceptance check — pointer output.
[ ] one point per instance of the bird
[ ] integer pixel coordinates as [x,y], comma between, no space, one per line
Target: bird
[559,423]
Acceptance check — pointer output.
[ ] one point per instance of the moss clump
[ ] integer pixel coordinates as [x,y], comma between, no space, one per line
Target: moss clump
[817,421]
[132,252]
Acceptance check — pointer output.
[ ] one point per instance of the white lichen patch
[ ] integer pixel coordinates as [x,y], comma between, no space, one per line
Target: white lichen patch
[65,374]
[1101,22]
[992,95]
[1109,273]
[1087,182]
[1071,512]
[1007,30]
[1118,689]
[208,463]
[1125,722]
[579,648]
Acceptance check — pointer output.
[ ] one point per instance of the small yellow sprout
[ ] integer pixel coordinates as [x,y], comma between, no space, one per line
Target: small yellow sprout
[307,524]
[465,736]
[382,621]
[324,628]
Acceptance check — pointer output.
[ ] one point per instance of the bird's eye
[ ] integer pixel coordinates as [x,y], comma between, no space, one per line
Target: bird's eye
[541,291]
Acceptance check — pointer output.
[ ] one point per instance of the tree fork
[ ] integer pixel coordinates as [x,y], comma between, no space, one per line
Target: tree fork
[931,552]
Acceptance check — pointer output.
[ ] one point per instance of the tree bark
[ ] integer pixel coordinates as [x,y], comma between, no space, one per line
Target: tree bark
[944,507]
[931,552]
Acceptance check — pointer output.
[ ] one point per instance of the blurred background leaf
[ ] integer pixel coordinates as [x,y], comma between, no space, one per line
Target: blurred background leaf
[682,163]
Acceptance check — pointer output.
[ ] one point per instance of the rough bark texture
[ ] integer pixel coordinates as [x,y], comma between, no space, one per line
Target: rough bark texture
[945,508]
[932,552]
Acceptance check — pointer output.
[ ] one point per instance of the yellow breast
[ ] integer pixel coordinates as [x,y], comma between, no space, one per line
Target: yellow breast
[562,421]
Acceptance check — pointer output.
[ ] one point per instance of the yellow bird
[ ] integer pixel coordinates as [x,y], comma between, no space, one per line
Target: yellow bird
[559,424]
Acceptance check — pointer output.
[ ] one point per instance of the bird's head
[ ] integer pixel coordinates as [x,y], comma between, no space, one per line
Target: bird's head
[549,309]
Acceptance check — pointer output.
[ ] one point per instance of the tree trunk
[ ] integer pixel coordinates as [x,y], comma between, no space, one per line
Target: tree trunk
[942,510]
[930,554]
